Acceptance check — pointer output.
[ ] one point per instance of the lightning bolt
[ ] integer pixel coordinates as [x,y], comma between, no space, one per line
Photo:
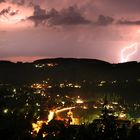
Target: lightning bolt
[125,58]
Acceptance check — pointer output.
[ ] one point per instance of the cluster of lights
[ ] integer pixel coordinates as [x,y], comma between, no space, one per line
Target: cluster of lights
[62,85]
[40,65]
[79,101]
[37,126]
[38,86]
[101,83]
[122,115]
[46,65]
[52,64]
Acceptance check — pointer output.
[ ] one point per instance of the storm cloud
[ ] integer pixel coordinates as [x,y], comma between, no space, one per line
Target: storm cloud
[5,11]
[67,16]
[8,11]
[39,16]
[68,28]
[104,20]
[19,2]
[2,1]
[128,22]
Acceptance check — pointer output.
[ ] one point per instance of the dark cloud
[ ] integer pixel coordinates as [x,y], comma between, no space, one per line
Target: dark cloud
[120,6]
[69,16]
[28,3]
[128,22]
[104,20]
[12,13]
[39,16]
[8,12]
[2,1]
[5,11]
[18,2]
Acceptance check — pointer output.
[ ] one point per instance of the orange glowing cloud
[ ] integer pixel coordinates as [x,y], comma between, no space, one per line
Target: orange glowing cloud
[11,14]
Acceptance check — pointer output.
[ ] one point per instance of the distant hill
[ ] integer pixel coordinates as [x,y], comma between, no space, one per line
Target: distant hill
[70,60]
[126,76]
[67,68]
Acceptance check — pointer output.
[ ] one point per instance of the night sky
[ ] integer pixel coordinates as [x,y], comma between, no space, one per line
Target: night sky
[98,29]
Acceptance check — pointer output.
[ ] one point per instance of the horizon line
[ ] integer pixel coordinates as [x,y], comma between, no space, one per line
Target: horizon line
[43,58]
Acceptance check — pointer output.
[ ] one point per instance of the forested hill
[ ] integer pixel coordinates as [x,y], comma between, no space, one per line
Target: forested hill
[70,69]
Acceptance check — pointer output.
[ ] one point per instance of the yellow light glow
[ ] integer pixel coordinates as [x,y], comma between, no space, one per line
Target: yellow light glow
[37,126]
[64,109]
[77,86]
[51,115]
[79,101]
[122,115]
[5,111]
[85,107]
